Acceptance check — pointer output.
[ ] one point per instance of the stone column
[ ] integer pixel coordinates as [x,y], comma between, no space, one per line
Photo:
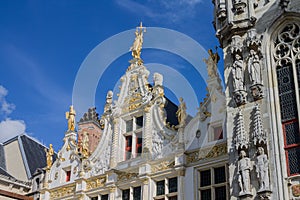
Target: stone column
[145,189]
[114,148]
[147,139]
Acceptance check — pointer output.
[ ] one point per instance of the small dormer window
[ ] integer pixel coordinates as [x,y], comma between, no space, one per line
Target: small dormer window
[133,137]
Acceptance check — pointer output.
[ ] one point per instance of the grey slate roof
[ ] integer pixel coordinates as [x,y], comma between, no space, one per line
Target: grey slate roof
[4,172]
[34,153]
[2,157]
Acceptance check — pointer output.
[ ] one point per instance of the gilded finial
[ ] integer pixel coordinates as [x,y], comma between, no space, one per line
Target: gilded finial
[138,42]
[49,154]
[70,116]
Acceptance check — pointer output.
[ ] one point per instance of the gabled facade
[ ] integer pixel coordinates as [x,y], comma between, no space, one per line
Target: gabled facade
[242,144]
[149,148]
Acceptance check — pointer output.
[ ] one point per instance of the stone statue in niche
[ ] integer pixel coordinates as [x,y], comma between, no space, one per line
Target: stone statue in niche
[262,169]
[254,68]
[244,167]
[238,73]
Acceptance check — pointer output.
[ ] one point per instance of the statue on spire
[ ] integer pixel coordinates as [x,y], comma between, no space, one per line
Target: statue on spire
[138,42]
[70,116]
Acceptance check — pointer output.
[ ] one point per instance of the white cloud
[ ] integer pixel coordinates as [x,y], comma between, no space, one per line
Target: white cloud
[5,107]
[10,128]
[172,11]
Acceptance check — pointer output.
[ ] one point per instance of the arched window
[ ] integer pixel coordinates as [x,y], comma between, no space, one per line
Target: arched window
[286,54]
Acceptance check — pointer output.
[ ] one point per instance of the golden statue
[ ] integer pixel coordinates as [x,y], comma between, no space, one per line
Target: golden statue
[85,145]
[181,112]
[49,154]
[138,42]
[70,116]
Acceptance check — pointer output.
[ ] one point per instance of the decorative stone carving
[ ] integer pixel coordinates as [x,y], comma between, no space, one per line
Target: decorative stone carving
[62,192]
[221,11]
[239,94]
[239,6]
[211,64]
[259,136]
[181,112]
[95,183]
[296,190]
[85,145]
[203,112]
[238,73]
[244,167]
[236,45]
[107,107]
[205,153]
[158,79]
[284,3]
[253,41]
[162,166]
[49,156]
[254,68]
[262,170]
[241,139]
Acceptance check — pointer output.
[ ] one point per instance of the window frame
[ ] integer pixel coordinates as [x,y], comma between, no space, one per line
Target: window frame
[136,133]
[291,57]
[212,186]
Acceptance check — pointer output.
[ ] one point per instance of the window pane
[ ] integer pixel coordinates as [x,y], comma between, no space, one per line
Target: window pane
[160,188]
[139,144]
[173,198]
[125,194]
[94,198]
[129,125]
[205,194]
[218,133]
[291,131]
[294,160]
[137,193]
[139,122]
[205,178]
[220,175]
[104,197]
[128,147]
[173,185]
[287,95]
[220,193]
[68,176]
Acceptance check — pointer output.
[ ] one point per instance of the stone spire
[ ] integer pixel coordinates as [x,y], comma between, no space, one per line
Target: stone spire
[242,140]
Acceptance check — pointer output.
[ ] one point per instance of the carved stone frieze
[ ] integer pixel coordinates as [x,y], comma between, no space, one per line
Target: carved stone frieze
[162,166]
[95,183]
[125,176]
[205,153]
[62,192]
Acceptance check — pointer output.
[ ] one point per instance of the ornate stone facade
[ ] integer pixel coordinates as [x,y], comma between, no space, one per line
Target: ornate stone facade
[247,137]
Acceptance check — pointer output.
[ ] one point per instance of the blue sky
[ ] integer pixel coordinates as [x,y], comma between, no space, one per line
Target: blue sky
[43,44]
